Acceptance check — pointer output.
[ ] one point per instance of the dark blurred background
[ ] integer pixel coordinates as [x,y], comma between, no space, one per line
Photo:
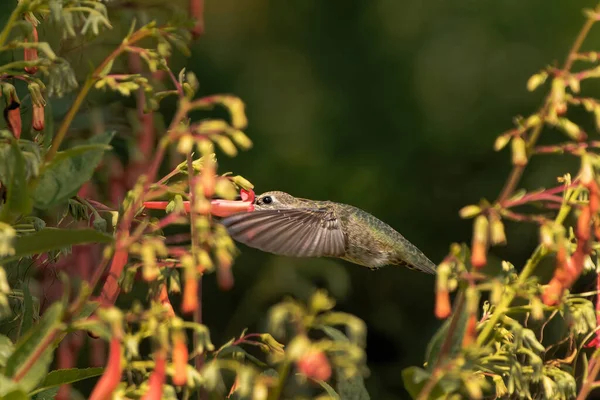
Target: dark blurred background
[388,105]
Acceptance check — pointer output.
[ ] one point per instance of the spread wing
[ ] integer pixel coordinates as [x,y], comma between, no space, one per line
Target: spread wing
[293,232]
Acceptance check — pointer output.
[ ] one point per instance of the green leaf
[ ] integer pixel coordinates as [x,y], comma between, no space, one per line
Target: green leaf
[49,239]
[6,349]
[28,344]
[27,319]
[414,379]
[10,389]
[236,352]
[13,176]
[48,394]
[349,388]
[66,376]
[435,345]
[330,391]
[69,170]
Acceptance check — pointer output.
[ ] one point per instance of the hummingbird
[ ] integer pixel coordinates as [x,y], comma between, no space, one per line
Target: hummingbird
[286,225]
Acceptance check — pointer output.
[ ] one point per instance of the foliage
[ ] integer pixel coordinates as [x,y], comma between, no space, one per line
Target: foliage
[51,220]
[500,350]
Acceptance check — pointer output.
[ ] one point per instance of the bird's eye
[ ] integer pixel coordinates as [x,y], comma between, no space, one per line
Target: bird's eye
[267,200]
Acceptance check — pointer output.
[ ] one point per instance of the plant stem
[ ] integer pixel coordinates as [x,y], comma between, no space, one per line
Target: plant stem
[35,356]
[199,358]
[89,83]
[9,24]
[537,255]
[589,383]
[284,370]
[517,171]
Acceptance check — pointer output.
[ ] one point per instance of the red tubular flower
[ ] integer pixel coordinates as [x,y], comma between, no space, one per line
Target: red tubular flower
[163,298]
[112,374]
[12,115]
[480,242]
[315,365]
[442,304]
[31,53]
[111,287]
[157,378]
[38,117]
[197,12]
[180,359]
[470,330]
[583,224]
[190,295]
[218,208]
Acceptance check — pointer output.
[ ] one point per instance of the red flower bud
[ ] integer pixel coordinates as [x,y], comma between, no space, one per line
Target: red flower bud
[163,298]
[480,242]
[442,304]
[31,53]
[470,330]
[12,115]
[197,13]
[157,378]
[594,197]
[38,117]
[180,359]
[314,365]
[112,374]
[190,295]
[583,225]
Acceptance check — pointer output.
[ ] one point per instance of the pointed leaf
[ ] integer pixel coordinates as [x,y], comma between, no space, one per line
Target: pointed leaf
[13,176]
[435,345]
[28,344]
[27,319]
[69,171]
[66,376]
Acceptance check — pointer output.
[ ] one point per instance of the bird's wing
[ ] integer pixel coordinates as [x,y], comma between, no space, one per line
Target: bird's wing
[291,232]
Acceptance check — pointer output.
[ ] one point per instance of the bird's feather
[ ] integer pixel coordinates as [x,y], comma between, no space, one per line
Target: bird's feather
[290,232]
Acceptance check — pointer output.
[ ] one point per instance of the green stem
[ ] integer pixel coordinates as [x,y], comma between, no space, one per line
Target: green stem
[89,83]
[537,255]
[284,370]
[9,24]
[517,171]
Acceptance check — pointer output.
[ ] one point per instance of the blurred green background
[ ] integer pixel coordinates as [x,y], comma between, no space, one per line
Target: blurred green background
[388,105]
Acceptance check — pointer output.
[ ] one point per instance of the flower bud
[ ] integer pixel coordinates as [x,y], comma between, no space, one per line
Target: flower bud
[31,53]
[519,152]
[480,242]
[180,358]
[583,224]
[536,80]
[112,373]
[498,237]
[157,377]
[12,115]
[190,293]
[38,117]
